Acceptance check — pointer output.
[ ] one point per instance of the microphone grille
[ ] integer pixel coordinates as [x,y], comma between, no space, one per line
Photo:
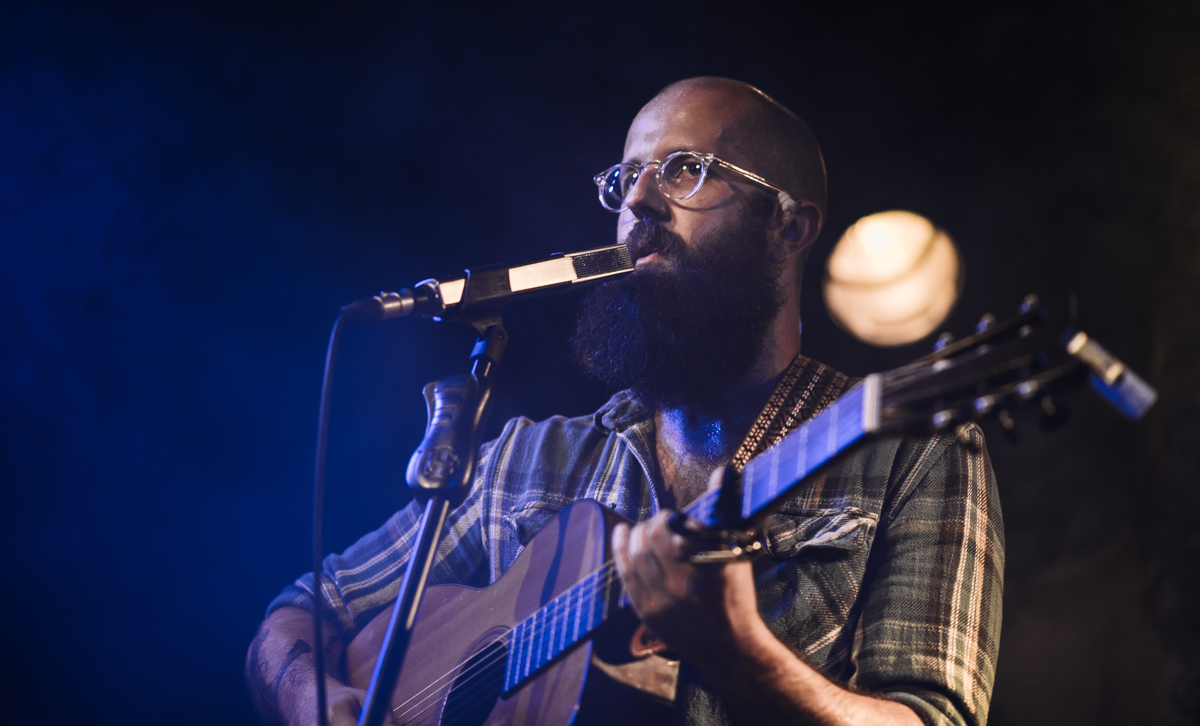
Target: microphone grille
[602,262]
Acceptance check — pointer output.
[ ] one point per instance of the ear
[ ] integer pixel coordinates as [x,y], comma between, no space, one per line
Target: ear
[797,225]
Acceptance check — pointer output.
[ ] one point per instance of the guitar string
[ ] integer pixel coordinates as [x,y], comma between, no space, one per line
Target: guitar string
[592,582]
[594,586]
[607,570]
[471,691]
[470,682]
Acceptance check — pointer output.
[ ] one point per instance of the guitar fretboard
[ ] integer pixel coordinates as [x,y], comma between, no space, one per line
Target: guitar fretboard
[563,621]
[777,471]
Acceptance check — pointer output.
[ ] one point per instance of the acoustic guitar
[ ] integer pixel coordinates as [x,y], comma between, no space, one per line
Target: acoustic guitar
[554,642]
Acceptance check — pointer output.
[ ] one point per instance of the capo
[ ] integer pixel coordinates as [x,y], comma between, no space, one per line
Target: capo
[738,546]
[735,553]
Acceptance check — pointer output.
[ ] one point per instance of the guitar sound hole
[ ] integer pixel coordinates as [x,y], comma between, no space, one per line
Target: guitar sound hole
[477,688]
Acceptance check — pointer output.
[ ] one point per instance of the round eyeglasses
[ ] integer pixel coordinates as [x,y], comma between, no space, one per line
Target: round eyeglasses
[679,177]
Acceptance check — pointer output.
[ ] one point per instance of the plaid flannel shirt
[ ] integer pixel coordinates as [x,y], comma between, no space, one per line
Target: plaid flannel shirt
[884,571]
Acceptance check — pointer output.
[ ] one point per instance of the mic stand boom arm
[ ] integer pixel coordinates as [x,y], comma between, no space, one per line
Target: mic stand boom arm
[439,473]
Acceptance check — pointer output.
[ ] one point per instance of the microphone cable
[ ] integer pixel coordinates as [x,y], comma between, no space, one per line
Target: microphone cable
[318,514]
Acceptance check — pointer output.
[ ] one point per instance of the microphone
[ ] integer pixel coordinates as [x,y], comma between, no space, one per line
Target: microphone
[487,289]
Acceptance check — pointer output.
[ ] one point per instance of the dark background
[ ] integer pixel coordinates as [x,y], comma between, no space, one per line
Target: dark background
[189,192]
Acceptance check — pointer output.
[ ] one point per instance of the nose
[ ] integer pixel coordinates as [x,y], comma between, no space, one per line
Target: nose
[645,200]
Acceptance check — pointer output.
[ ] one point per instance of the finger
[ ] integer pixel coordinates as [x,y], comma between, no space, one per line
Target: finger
[641,553]
[668,547]
[716,478]
[630,565]
[620,547]
[649,571]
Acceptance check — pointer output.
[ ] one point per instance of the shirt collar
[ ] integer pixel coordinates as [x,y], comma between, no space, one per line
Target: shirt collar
[622,411]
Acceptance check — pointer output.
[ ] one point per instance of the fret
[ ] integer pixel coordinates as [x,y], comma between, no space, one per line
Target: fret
[563,618]
[539,637]
[578,610]
[802,458]
[590,596]
[550,651]
[702,508]
[535,632]
[802,452]
[773,486]
[834,411]
[547,650]
[566,622]
[513,657]
[605,588]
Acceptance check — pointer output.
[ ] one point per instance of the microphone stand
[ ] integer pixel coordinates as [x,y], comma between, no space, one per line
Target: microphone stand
[440,474]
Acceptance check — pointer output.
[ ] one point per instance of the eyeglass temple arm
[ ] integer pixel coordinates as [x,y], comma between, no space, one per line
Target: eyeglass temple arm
[785,199]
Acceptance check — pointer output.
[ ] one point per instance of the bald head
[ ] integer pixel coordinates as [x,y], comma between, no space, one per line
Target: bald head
[752,130]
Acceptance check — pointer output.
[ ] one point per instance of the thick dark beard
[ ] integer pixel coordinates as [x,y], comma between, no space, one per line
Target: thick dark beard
[683,334]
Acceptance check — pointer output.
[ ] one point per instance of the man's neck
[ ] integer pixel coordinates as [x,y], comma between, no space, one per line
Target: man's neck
[691,443]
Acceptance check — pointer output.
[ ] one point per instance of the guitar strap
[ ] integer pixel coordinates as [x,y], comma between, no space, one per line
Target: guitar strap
[804,390]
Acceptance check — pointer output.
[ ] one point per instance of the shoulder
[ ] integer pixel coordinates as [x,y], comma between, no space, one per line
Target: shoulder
[882,474]
[554,447]
[617,414]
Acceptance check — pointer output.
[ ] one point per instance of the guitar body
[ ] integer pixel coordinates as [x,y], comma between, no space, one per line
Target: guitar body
[454,673]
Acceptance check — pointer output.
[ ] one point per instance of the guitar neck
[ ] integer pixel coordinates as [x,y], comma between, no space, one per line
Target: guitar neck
[774,474]
[560,624]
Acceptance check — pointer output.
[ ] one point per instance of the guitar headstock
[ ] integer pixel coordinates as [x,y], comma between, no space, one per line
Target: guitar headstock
[1003,365]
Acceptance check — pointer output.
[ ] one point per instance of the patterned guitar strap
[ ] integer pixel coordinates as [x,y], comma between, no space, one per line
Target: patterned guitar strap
[805,389]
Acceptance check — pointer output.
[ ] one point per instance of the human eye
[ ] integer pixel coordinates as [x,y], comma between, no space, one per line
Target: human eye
[683,168]
[627,175]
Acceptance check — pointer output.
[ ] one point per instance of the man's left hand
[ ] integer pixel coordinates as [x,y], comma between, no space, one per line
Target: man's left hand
[705,612]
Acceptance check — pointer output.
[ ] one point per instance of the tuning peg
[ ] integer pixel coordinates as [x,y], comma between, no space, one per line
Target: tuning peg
[1029,303]
[1009,426]
[1053,417]
[987,321]
[943,340]
[1027,390]
[943,419]
[984,404]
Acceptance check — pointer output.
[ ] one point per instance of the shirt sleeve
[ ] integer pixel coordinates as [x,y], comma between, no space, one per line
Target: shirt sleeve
[359,583]
[929,631]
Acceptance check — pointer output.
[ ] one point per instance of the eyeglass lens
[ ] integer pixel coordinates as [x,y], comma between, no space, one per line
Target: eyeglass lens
[679,178]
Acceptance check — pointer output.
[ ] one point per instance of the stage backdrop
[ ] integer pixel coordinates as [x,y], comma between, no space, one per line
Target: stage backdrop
[189,192]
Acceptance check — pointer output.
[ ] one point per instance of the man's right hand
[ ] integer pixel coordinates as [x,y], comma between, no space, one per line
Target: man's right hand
[280,673]
[343,706]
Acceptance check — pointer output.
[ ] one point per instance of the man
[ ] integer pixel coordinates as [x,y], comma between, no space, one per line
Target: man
[878,601]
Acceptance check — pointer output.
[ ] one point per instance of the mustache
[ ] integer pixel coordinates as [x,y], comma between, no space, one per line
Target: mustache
[646,237]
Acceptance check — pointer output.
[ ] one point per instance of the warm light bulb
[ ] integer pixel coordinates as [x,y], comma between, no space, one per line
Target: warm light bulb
[892,278]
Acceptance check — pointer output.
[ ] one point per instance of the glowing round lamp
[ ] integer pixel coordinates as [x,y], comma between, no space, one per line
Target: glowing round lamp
[892,278]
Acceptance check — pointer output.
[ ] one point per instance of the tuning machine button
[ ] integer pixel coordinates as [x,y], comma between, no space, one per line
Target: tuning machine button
[1008,426]
[943,419]
[984,404]
[1053,416]
[987,321]
[943,340]
[1027,390]
[1029,303]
